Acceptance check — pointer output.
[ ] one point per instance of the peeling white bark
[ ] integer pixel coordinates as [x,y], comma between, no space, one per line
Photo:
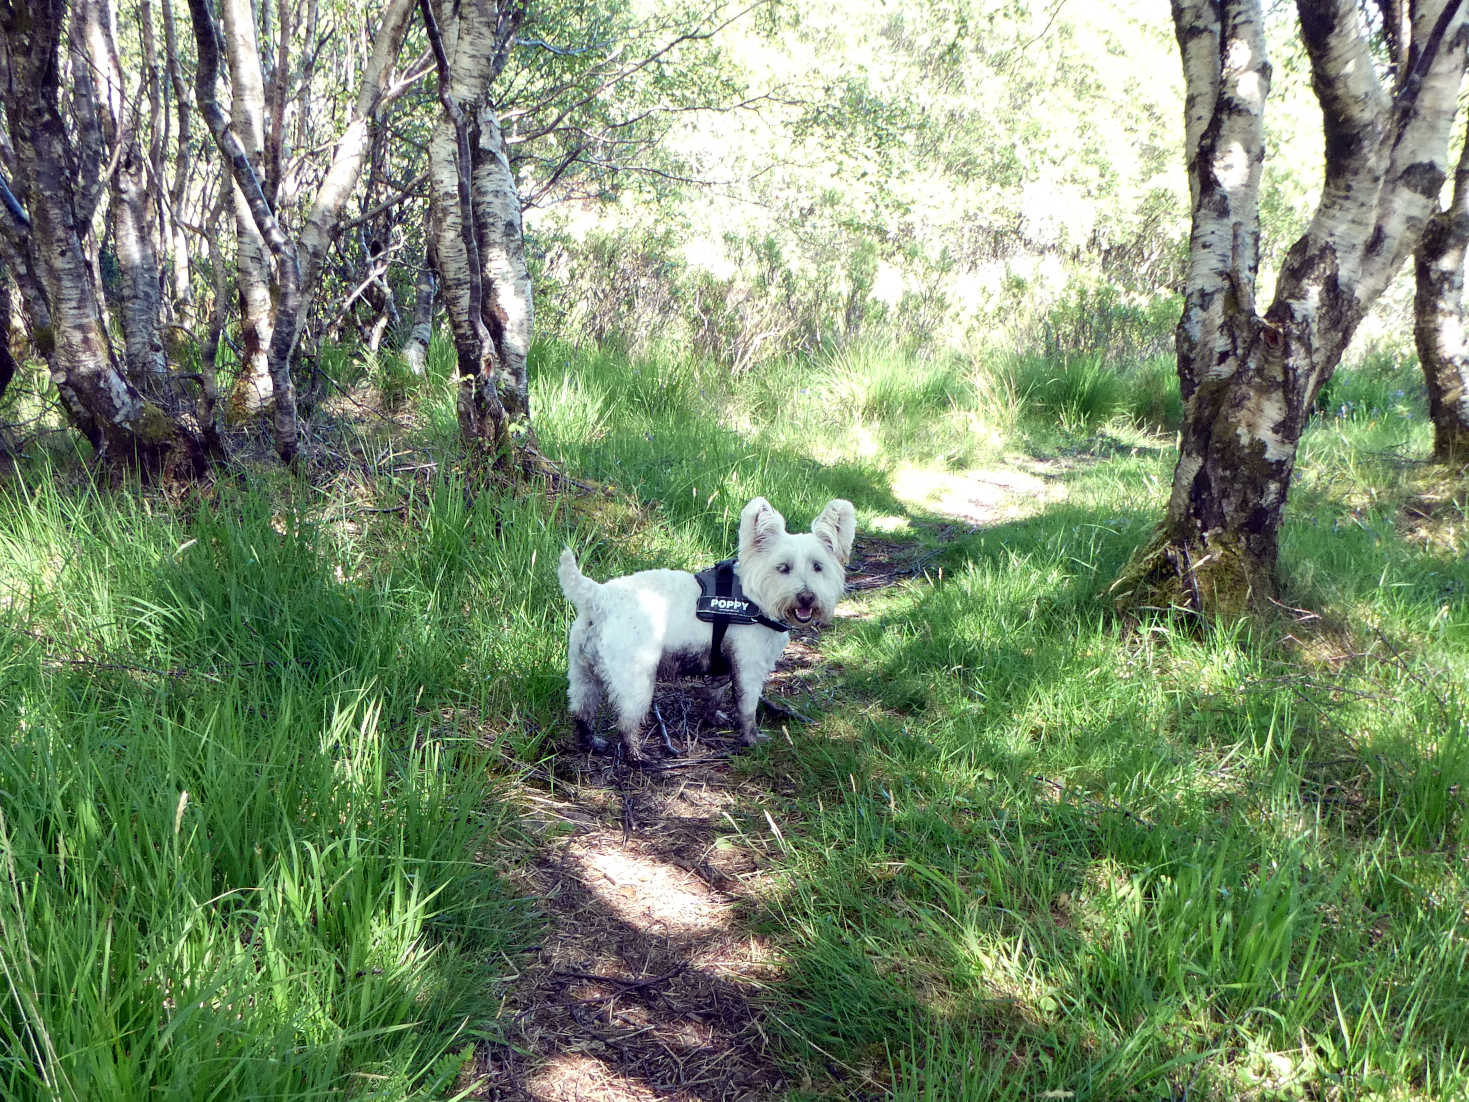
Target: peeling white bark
[1227,76]
[1439,322]
[475,219]
[254,389]
[1249,381]
[502,261]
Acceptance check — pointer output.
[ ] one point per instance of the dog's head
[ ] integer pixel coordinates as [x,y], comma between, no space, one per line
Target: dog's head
[796,577]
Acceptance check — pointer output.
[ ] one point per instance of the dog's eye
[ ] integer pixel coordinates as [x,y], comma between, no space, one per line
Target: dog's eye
[816,566]
[783,568]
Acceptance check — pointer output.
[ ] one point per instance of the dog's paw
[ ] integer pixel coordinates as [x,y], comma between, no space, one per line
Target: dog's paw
[588,739]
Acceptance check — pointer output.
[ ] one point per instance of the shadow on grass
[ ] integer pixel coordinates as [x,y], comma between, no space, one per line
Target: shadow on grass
[1037,854]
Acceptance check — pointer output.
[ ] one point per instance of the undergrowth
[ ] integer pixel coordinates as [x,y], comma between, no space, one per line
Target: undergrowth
[261,750]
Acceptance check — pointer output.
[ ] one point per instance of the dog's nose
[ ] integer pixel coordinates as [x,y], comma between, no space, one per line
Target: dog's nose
[805,598]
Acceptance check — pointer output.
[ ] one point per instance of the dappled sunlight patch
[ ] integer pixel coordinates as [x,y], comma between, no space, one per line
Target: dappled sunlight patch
[1322,643]
[1438,521]
[1264,1072]
[979,496]
[972,956]
[1092,909]
[858,727]
[645,890]
[647,978]
[576,1077]
[889,525]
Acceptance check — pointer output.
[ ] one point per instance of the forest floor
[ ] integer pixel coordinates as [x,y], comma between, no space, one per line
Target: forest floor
[649,981]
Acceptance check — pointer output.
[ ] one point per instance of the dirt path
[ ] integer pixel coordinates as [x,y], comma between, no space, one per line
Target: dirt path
[645,983]
[648,980]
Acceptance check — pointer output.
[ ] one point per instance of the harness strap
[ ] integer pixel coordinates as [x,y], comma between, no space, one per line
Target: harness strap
[724,584]
[718,663]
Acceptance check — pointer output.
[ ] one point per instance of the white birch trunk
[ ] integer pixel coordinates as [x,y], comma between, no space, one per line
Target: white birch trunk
[134,227]
[476,224]
[254,390]
[1249,381]
[182,292]
[64,303]
[415,348]
[1439,324]
[506,278]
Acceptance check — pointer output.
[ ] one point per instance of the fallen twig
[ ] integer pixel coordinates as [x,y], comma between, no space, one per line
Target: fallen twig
[684,763]
[625,984]
[663,731]
[1443,705]
[785,711]
[1102,805]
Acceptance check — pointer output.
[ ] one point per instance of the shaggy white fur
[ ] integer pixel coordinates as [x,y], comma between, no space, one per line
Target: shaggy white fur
[629,631]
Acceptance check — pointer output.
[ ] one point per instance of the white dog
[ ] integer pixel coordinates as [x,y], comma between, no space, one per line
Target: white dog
[629,631]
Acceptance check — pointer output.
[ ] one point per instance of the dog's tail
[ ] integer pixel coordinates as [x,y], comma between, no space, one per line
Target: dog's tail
[576,585]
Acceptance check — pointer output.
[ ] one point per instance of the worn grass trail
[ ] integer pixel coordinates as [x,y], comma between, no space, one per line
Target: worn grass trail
[644,981]
[651,980]
[648,978]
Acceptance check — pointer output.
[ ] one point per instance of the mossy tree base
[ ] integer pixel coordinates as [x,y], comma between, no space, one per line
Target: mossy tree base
[1452,449]
[1217,581]
[157,445]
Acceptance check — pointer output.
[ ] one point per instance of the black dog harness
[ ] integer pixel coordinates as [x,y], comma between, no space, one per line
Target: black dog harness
[721,603]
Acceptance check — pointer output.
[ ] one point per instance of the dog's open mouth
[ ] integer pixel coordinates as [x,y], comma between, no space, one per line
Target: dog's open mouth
[802,614]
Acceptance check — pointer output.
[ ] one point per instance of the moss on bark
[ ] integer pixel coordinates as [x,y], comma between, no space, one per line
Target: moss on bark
[1221,581]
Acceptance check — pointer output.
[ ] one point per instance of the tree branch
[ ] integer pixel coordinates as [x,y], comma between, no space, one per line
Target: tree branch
[12,204]
[206,38]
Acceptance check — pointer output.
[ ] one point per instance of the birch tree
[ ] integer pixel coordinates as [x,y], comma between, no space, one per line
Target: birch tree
[1439,323]
[132,197]
[254,391]
[415,345]
[1248,379]
[475,221]
[297,263]
[45,237]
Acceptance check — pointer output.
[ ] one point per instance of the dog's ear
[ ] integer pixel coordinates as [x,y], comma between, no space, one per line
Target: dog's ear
[836,527]
[760,526]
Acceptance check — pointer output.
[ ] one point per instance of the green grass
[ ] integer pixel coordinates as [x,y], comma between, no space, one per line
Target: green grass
[1083,392]
[1118,866]
[1031,851]
[239,839]
[254,748]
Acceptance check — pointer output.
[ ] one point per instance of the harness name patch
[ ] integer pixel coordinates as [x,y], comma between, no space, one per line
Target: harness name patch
[721,603]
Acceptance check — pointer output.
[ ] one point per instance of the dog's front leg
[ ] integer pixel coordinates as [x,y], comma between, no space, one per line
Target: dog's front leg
[748,681]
